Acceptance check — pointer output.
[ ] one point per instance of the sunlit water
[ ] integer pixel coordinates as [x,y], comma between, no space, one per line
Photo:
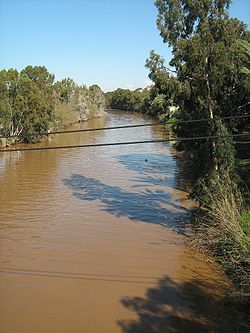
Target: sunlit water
[93,239]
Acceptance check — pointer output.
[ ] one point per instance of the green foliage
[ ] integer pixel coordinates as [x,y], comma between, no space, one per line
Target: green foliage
[125,99]
[208,61]
[206,55]
[65,89]
[25,107]
[211,60]
[164,90]
[31,104]
[97,96]
[32,112]
[156,100]
[223,228]
[246,50]
[74,103]
[245,223]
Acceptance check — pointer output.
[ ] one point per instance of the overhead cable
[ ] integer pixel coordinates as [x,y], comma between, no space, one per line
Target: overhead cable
[122,143]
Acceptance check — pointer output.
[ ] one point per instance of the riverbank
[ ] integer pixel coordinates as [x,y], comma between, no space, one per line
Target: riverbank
[221,228]
[61,125]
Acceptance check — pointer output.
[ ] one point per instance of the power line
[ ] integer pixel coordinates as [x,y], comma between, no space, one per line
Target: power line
[122,143]
[80,274]
[140,279]
[74,276]
[132,126]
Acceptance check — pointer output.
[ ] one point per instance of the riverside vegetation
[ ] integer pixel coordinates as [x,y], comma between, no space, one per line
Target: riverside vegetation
[211,66]
[209,78]
[32,104]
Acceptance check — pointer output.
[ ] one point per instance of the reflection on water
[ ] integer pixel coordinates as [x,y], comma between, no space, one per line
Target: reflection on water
[83,231]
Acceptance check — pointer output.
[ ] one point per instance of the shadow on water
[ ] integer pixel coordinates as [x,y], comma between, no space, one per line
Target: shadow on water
[145,206]
[173,307]
[174,171]
[153,169]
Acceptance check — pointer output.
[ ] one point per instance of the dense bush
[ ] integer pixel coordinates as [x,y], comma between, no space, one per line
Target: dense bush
[31,103]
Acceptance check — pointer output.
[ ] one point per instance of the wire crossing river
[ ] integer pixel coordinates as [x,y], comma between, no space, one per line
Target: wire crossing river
[87,239]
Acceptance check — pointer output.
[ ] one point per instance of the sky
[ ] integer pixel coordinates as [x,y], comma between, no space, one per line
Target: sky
[104,42]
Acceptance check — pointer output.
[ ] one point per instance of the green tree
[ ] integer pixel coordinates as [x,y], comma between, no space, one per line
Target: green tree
[65,89]
[208,61]
[246,49]
[8,88]
[164,90]
[119,98]
[39,75]
[97,96]
[25,109]
[32,112]
[128,100]
[43,80]
[75,103]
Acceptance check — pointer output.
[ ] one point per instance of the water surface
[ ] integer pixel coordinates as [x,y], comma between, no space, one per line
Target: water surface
[93,239]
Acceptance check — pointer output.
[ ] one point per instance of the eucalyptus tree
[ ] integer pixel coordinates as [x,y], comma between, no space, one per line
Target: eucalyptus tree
[25,108]
[8,83]
[164,89]
[246,49]
[32,110]
[65,89]
[208,60]
[97,97]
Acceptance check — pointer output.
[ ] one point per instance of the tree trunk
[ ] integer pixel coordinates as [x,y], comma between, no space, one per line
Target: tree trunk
[211,113]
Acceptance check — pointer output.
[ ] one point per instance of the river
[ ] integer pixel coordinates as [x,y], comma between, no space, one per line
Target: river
[93,240]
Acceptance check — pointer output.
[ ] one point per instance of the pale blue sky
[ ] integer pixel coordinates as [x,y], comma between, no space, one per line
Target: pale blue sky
[92,41]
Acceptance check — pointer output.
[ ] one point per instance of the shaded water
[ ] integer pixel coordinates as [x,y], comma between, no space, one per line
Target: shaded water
[87,244]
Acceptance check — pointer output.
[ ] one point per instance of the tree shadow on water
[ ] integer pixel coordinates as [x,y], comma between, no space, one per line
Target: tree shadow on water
[174,170]
[145,206]
[173,307]
[153,169]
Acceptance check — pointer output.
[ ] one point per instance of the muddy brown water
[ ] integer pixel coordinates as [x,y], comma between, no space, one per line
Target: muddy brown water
[87,239]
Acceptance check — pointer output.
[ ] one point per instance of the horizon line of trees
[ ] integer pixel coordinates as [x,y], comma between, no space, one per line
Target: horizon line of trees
[31,103]
[148,101]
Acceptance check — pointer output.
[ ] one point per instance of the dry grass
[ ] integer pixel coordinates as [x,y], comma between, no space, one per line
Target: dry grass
[223,229]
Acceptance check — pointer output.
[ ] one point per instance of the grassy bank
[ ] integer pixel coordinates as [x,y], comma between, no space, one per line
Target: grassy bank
[221,225]
[222,228]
